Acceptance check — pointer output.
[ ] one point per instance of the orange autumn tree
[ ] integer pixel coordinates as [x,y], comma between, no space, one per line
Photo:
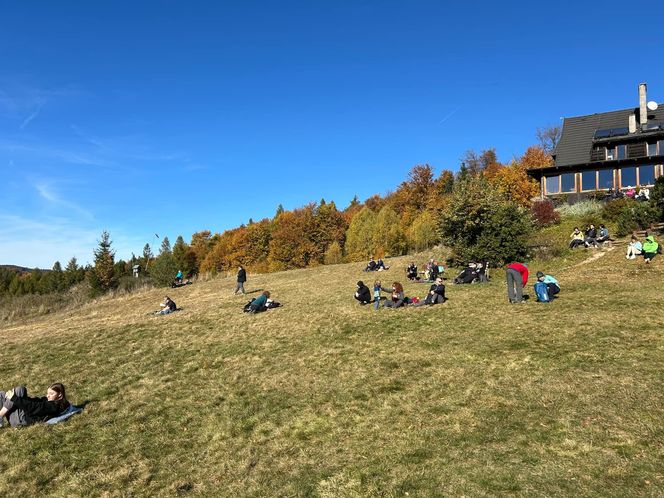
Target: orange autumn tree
[292,244]
[514,183]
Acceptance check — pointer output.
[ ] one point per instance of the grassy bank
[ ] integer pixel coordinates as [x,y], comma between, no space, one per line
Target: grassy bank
[326,398]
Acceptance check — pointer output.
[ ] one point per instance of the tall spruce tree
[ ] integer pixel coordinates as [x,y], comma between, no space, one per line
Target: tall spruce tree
[104,257]
[165,246]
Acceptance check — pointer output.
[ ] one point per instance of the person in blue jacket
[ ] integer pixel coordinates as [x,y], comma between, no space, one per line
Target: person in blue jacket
[552,285]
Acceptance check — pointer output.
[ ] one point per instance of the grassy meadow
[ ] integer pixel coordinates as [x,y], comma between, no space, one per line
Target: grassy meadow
[327,398]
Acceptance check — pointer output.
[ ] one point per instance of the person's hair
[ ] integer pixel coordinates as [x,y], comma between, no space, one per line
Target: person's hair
[634,237]
[398,288]
[576,228]
[266,293]
[59,388]
[377,282]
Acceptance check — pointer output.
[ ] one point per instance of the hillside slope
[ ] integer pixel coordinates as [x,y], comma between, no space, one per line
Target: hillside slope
[324,397]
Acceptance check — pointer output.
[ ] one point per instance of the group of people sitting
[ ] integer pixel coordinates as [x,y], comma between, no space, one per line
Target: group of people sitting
[591,236]
[374,265]
[431,271]
[473,272]
[649,249]
[397,298]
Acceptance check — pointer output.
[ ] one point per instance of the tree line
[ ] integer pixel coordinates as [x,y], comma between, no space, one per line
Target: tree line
[474,211]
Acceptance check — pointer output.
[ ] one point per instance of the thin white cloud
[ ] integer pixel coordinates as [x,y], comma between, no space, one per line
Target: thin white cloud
[48,193]
[33,115]
[38,243]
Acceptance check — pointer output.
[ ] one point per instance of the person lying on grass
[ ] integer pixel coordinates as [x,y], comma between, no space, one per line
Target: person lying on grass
[436,294]
[258,304]
[21,410]
[168,306]
[397,299]
[363,294]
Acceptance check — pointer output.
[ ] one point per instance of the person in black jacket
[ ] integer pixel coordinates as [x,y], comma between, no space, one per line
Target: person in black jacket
[21,410]
[241,279]
[363,294]
[436,294]
[168,306]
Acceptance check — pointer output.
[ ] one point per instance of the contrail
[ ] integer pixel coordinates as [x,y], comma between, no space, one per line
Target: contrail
[448,116]
[32,116]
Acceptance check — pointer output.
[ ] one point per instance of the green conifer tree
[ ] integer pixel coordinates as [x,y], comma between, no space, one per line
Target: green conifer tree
[103,270]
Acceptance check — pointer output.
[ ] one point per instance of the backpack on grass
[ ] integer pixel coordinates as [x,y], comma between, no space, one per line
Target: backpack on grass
[542,292]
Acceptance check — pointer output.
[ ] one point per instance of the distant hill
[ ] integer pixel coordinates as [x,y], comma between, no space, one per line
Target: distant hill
[19,269]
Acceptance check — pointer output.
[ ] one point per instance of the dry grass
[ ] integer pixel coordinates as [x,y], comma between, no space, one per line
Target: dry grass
[326,398]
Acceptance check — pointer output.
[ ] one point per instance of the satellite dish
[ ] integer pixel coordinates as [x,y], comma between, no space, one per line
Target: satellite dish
[652,105]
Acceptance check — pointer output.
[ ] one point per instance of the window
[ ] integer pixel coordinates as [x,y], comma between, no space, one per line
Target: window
[652,149]
[622,151]
[628,177]
[589,180]
[552,184]
[605,179]
[661,147]
[567,182]
[647,175]
[610,153]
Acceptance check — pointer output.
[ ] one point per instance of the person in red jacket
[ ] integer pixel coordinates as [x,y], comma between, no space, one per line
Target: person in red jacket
[517,278]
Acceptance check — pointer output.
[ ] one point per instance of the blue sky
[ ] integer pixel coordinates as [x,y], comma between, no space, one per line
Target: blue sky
[172,117]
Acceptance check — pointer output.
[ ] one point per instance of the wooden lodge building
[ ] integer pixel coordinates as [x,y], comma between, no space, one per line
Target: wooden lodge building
[611,150]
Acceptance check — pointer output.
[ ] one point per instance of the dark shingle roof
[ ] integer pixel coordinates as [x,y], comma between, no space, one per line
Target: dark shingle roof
[576,140]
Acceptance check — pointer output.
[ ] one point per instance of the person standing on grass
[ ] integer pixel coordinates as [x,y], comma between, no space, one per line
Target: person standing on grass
[517,278]
[178,277]
[21,410]
[241,279]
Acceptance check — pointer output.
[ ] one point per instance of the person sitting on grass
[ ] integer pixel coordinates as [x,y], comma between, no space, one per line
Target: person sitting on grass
[178,277]
[634,248]
[650,248]
[552,285]
[363,294]
[168,306]
[411,272]
[258,304]
[577,238]
[381,266]
[436,294]
[591,236]
[397,299]
[371,265]
[603,235]
[21,410]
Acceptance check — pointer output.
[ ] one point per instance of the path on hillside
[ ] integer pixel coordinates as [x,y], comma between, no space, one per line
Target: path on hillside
[592,258]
